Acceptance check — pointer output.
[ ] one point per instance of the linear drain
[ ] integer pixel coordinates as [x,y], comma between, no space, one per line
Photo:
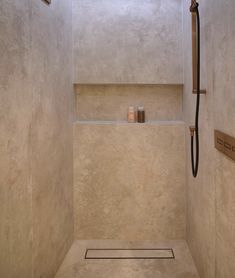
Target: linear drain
[120,254]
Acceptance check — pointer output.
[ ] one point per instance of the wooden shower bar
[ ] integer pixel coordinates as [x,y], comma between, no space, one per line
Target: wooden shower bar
[194,50]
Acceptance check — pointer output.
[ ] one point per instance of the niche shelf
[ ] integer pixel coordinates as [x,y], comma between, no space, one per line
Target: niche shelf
[109,102]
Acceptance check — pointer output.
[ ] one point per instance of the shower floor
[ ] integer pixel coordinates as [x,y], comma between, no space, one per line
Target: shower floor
[76,265]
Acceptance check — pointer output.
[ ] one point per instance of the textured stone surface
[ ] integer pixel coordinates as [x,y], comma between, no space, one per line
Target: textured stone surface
[130,41]
[200,191]
[52,168]
[35,137]
[74,265]
[129,181]
[15,120]
[110,102]
[211,209]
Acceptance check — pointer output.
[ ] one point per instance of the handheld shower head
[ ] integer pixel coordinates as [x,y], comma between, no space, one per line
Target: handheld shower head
[194,6]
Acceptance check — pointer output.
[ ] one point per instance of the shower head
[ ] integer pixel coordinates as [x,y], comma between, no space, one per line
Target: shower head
[194,6]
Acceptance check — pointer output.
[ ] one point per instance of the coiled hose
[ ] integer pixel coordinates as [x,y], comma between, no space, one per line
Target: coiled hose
[195,131]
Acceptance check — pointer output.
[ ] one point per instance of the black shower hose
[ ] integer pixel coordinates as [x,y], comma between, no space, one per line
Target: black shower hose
[195,162]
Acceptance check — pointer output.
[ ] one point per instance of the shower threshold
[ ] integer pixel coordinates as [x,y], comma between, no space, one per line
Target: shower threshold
[128,259]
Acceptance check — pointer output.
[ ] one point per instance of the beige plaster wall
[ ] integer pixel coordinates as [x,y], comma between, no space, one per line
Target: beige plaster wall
[52,165]
[127,41]
[110,102]
[211,210]
[35,137]
[15,122]
[129,180]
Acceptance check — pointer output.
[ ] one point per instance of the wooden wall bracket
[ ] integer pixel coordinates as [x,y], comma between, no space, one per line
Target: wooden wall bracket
[202,92]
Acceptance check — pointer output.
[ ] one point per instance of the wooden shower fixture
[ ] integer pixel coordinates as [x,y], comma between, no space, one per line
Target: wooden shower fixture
[194,47]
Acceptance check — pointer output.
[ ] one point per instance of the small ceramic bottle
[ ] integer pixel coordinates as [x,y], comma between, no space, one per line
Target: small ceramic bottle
[131,114]
[140,114]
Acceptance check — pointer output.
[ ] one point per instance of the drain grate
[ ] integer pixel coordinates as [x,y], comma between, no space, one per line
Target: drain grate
[121,254]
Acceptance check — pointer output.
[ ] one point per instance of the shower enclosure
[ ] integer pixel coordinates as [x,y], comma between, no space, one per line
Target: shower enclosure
[84,193]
